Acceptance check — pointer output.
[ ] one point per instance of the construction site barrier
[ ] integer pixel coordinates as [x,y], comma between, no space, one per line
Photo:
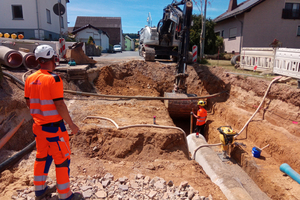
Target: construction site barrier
[257,59]
[287,62]
[282,61]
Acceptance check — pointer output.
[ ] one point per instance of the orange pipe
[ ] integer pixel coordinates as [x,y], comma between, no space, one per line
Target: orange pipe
[8,135]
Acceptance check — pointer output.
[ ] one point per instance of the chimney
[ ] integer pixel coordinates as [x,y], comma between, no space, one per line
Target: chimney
[232,5]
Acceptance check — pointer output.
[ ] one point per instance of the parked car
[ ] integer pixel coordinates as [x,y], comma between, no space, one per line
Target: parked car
[117,48]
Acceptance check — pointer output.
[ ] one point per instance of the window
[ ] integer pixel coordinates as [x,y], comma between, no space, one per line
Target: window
[220,33]
[298,31]
[291,11]
[48,16]
[17,12]
[232,33]
[61,22]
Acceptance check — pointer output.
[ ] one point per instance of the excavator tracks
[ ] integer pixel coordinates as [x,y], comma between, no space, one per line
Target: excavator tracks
[149,54]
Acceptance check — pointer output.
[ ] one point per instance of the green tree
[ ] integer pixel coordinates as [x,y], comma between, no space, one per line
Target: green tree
[90,40]
[210,36]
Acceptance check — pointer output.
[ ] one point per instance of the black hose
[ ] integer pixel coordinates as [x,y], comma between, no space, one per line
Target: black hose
[15,158]
[13,77]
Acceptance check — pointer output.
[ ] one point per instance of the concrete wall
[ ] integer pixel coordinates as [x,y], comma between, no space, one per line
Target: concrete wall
[29,24]
[264,23]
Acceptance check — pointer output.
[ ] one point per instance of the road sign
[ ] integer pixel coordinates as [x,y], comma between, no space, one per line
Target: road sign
[61,8]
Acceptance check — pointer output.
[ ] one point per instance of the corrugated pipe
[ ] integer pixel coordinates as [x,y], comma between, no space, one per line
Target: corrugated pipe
[10,57]
[29,60]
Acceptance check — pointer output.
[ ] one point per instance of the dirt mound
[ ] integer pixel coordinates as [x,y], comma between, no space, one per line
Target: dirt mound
[136,78]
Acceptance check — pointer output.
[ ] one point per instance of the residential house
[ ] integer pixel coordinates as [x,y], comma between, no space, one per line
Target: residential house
[100,37]
[257,23]
[33,18]
[129,43]
[111,25]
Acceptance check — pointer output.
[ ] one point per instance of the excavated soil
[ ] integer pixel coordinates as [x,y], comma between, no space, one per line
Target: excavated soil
[100,147]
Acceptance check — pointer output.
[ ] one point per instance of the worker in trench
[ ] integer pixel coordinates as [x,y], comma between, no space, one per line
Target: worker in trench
[201,118]
[44,97]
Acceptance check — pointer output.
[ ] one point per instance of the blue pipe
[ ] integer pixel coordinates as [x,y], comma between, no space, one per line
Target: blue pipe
[289,171]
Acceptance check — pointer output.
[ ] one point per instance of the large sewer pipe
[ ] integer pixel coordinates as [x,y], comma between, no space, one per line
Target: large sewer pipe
[219,174]
[29,60]
[10,57]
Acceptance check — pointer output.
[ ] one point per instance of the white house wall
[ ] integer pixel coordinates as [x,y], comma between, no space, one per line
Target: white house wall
[29,24]
[104,43]
[84,35]
[230,45]
[264,23]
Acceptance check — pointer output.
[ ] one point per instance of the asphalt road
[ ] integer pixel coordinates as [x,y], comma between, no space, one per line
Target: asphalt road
[125,55]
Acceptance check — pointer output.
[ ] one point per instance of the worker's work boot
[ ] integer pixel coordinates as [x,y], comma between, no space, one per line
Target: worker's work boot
[48,191]
[77,196]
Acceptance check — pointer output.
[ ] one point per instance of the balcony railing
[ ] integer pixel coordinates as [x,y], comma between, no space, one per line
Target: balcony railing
[290,14]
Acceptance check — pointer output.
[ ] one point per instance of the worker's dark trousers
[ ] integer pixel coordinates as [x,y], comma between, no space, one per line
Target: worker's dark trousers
[200,129]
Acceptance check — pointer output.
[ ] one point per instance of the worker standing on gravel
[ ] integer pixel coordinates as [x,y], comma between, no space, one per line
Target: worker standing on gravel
[44,97]
[201,118]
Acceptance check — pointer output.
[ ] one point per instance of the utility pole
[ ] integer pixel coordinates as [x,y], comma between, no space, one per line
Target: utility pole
[59,3]
[202,37]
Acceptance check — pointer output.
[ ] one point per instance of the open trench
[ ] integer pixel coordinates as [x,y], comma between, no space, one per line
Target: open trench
[275,124]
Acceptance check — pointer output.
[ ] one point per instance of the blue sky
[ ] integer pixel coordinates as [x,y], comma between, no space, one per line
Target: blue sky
[134,13]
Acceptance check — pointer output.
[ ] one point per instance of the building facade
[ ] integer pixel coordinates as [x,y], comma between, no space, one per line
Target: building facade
[257,23]
[100,37]
[111,25]
[34,19]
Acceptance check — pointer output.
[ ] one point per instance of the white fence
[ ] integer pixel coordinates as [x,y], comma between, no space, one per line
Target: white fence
[287,62]
[283,61]
[258,59]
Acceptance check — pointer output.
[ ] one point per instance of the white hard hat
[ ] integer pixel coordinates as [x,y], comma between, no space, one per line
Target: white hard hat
[44,51]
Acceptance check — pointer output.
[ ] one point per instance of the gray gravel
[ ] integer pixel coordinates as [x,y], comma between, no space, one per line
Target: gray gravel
[142,187]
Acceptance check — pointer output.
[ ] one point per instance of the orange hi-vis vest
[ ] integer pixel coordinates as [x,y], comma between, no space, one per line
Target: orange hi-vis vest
[42,88]
[202,113]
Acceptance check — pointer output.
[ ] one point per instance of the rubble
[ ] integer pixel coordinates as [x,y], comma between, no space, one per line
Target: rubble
[106,187]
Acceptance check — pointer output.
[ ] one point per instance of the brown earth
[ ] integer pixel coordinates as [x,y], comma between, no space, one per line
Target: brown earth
[100,148]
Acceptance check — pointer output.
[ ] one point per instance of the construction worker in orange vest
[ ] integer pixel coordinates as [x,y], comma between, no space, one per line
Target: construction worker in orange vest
[201,118]
[45,99]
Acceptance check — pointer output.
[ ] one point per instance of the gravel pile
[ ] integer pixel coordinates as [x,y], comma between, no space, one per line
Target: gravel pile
[142,187]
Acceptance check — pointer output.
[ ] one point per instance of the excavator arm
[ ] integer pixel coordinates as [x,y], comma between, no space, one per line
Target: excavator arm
[183,48]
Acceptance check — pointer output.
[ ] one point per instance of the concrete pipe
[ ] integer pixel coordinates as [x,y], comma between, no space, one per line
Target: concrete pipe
[29,60]
[10,57]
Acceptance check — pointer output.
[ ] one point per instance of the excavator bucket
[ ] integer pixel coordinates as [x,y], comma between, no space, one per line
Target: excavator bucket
[180,108]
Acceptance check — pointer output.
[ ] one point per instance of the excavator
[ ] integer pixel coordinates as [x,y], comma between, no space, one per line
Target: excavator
[171,38]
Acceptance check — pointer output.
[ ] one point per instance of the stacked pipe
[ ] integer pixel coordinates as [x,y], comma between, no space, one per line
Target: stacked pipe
[29,60]
[14,59]
[10,57]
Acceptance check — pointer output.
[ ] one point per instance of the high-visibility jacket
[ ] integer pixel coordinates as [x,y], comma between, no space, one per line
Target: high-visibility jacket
[202,114]
[42,88]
